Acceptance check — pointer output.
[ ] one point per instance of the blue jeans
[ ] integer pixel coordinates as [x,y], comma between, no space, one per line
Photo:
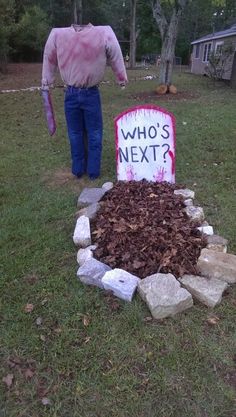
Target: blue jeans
[84,118]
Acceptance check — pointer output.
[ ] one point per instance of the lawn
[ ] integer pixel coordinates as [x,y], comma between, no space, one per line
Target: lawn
[77,353]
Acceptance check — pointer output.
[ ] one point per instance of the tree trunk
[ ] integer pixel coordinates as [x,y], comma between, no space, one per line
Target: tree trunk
[78,12]
[168,56]
[133,34]
[168,33]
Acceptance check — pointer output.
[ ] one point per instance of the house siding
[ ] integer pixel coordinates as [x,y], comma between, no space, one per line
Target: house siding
[198,66]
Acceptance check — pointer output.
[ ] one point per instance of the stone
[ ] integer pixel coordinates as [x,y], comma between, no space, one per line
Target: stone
[185,193]
[217,240]
[84,255]
[107,186]
[208,291]
[121,283]
[206,230]
[217,265]
[188,202]
[205,223]
[89,211]
[92,271]
[92,247]
[82,233]
[217,248]
[195,213]
[91,196]
[164,295]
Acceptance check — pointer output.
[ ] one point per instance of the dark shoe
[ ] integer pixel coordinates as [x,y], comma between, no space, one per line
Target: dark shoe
[93,177]
[80,175]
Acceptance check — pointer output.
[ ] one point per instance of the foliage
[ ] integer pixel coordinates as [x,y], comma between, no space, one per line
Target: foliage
[149,40]
[6,25]
[30,33]
[200,17]
[220,62]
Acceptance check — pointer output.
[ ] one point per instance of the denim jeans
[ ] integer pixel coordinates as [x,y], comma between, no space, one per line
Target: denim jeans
[84,118]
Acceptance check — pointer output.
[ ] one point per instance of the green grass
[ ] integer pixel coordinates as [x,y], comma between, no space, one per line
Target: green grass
[120,365]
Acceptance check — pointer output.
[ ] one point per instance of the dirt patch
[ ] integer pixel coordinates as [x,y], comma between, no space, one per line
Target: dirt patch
[63,176]
[230,377]
[142,228]
[181,95]
[22,75]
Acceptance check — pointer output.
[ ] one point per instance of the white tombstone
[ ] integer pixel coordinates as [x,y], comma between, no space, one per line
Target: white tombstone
[145,144]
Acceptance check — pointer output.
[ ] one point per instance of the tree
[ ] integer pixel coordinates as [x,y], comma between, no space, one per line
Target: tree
[168,23]
[30,35]
[6,26]
[167,14]
[78,12]
[133,35]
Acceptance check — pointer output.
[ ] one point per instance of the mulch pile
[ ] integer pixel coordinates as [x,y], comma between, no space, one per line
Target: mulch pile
[142,227]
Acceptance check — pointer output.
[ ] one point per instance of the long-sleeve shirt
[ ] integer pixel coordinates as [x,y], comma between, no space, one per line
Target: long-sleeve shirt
[81,54]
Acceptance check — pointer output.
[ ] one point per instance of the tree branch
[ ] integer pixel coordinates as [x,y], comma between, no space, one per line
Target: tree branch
[182,4]
[159,16]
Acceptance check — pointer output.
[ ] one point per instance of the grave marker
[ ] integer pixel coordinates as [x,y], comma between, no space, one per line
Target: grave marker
[145,144]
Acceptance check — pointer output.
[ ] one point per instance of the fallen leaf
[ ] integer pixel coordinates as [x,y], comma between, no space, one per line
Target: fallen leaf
[39,321]
[29,308]
[45,401]
[58,330]
[13,362]
[28,373]
[99,232]
[86,321]
[8,380]
[138,264]
[212,320]
[43,338]
[147,319]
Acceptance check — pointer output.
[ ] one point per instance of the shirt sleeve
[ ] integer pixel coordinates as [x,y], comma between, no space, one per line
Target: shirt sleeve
[115,57]
[49,60]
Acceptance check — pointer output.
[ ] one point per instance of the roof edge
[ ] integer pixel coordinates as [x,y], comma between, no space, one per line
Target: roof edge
[211,38]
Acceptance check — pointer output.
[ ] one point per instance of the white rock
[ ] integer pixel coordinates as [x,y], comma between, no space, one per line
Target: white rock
[92,271]
[107,186]
[195,213]
[216,239]
[121,283]
[185,193]
[82,234]
[217,248]
[207,230]
[89,211]
[188,202]
[217,265]
[91,196]
[164,295]
[84,255]
[208,291]
[92,247]
[205,223]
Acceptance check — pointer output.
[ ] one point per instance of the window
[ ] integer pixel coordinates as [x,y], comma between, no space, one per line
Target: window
[207,51]
[197,50]
[219,48]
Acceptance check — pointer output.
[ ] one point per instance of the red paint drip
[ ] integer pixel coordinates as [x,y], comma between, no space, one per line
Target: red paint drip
[172,161]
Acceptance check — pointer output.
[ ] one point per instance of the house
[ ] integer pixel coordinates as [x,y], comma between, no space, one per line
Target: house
[216,43]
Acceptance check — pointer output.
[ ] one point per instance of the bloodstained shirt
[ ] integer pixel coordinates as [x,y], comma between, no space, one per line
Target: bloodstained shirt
[81,54]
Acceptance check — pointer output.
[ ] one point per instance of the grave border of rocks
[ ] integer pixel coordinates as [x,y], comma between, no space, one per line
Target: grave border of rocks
[164,294]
